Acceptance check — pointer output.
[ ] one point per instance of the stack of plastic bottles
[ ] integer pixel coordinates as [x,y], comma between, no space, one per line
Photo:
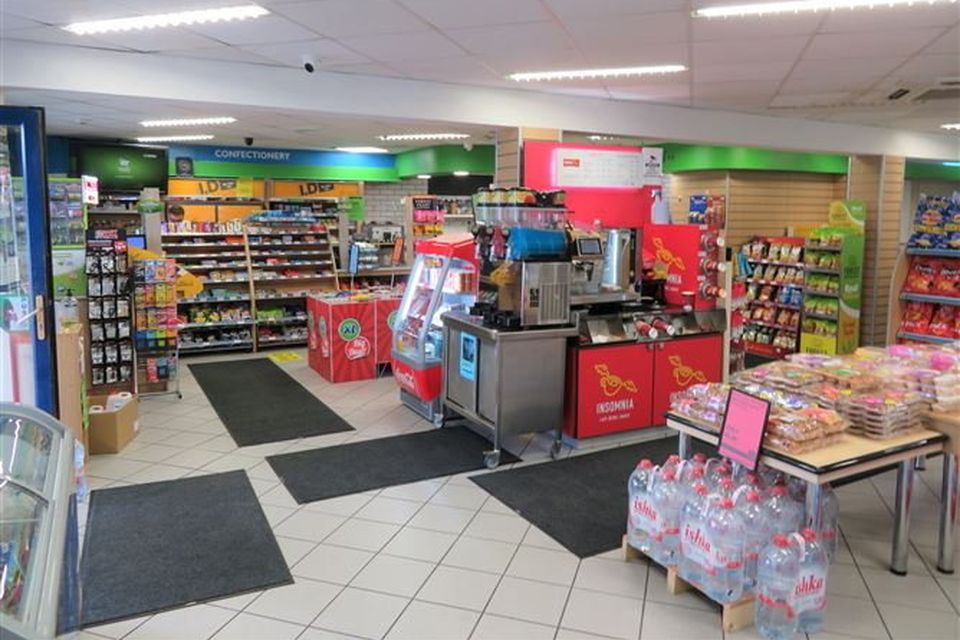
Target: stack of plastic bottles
[735,534]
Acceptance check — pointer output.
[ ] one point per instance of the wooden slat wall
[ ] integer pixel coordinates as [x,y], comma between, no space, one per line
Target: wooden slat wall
[507,172]
[878,181]
[760,202]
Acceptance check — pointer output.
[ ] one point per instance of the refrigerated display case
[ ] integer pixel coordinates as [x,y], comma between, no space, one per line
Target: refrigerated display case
[39,593]
[443,278]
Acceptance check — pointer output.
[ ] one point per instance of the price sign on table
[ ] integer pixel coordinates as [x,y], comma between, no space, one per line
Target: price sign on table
[743,427]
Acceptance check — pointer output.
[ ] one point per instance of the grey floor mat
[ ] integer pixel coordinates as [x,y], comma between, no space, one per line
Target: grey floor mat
[156,546]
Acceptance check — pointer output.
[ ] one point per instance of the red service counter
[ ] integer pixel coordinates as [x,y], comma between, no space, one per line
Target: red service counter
[627,386]
[348,338]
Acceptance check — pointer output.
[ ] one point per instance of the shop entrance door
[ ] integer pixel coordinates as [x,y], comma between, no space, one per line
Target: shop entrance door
[27,356]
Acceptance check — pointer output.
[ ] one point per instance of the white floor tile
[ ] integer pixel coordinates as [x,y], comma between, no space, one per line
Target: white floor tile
[390,574]
[497,526]
[294,550]
[482,555]
[194,458]
[845,580]
[464,497]
[362,534]
[332,564]
[920,591]
[198,622]
[118,629]
[157,473]
[493,627]
[250,627]
[322,634]
[344,506]
[361,613]
[657,592]
[236,603]
[298,603]
[527,600]
[875,554]
[459,588]
[276,515]
[570,634]
[151,452]
[908,623]
[613,576]
[666,622]
[390,510]
[853,617]
[441,518]
[427,621]
[537,538]
[279,496]
[309,525]
[416,491]
[113,467]
[603,613]
[544,564]
[420,544]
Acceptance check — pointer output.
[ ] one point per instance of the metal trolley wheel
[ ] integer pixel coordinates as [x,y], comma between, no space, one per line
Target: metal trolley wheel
[491,459]
[555,449]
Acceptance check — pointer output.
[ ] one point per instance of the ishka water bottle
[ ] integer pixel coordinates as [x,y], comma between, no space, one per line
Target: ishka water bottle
[777,570]
[694,550]
[667,503]
[784,513]
[642,522]
[810,592]
[757,533]
[829,513]
[725,533]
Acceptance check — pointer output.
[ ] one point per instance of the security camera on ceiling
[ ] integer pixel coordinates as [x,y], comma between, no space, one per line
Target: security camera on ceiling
[310,63]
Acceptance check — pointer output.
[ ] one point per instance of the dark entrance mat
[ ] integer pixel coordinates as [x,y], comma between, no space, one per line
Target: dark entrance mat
[581,501]
[258,402]
[156,546]
[385,462]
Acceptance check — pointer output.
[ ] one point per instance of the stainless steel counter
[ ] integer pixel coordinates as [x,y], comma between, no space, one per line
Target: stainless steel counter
[508,382]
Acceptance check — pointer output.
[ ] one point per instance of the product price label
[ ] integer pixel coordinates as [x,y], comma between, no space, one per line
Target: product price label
[810,592]
[644,517]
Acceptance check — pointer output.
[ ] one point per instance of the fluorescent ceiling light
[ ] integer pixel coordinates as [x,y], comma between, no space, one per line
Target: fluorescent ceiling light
[405,137]
[951,164]
[461,174]
[423,176]
[801,6]
[597,138]
[194,137]
[587,74]
[177,19]
[188,122]
[952,126]
[363,150]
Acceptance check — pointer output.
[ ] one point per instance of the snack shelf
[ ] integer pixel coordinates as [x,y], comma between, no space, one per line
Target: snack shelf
[817,292]
[772,303]
[832,272]
[775,284]
[178,245]
[292,296]
[229,281]
[277,234]
[282,321]
[776,263]
[773,325]
[213,267]
[820,316]
[271,265]
[934,253]
[282,340]
[215,325]
[216,346]
[273,254]
[314,276]
[922,337]
[213,300]
[922,297]
[202,234]
[205,256]
[290,244]
[834,249]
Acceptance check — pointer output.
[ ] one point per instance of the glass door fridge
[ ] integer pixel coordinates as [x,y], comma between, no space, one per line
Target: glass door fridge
[443,278]
[39,593]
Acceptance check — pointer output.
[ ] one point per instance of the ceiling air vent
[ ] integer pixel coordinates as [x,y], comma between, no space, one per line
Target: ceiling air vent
[899,93]
[946,93]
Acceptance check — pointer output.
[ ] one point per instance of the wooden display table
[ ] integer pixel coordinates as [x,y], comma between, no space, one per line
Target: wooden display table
[949,425]
[850,457]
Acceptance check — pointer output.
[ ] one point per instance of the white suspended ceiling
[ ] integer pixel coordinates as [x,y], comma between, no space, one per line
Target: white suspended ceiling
[836,67]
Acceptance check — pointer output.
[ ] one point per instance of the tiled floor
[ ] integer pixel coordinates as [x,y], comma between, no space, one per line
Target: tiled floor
[443,560]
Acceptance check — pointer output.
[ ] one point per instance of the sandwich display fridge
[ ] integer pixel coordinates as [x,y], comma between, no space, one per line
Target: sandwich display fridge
[444,278]
[39,555]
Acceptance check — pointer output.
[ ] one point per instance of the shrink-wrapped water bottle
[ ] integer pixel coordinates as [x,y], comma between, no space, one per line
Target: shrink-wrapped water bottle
[758,530]
[785,514]
[774,615]
[642,523]
[667,499]
[723,581]
[829,513]
[694,553]
[810,592]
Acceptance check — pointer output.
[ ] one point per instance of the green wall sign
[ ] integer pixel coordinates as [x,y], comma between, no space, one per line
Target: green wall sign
[917,170]
[678,158]
[445,159]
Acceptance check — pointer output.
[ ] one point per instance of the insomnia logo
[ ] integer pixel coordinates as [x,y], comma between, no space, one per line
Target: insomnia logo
[612,384]
[349,329]
[666,256]
[683,374]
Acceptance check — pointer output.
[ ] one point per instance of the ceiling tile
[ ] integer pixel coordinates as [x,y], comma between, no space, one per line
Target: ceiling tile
[885,19]
[175,39]
[667,92]
[630,30]
[364,69]
[515,38]
[736,51]
[845,67]
[451,14]
[795,86]
[928,68]
[589,8]
[265,30]
[346,18]
[404,46]
[10,22]
[221,53]
[462,69]
[742,88]
[599,55]
[754,28]
[66,11]
[811,100]
[947,43]
[327,52]
[862,45]
[741,71]
[56,35]
[510,62]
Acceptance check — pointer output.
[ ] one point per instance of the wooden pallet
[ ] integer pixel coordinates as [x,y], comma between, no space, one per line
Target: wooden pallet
[735,616]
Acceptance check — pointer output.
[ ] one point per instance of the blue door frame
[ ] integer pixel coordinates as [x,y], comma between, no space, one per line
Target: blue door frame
[31,156]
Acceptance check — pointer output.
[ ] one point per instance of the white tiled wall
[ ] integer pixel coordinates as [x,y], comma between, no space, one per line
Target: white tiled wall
[385,200]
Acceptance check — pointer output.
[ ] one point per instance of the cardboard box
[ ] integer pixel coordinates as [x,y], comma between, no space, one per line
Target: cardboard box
[111,431]
[70,379]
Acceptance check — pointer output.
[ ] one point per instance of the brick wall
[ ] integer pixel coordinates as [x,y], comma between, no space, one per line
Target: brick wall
[384,200]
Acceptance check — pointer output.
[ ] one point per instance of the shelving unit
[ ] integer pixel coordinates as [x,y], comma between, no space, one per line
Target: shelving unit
[155,307]
[912,313]
[772,323]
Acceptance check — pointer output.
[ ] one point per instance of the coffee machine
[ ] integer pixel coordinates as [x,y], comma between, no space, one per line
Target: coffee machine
[602,266]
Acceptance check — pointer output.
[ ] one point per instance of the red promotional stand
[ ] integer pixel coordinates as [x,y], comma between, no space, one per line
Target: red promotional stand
[348,338]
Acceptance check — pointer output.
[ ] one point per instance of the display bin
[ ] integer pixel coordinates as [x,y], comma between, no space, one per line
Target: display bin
[342,339]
